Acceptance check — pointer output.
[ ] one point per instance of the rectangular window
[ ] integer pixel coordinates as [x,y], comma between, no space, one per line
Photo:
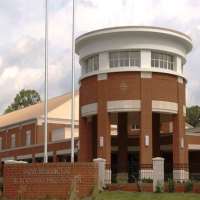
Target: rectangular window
[28,138]
[92,64]
[13,141]
[160,60]
[125,59]
[58,134]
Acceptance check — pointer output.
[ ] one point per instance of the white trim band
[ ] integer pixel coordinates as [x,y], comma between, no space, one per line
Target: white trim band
[65,151]
[28,156]
[8,158]
[132,69]
[164,107]
[193,146]
[41,155]
[124,106]
[89,109]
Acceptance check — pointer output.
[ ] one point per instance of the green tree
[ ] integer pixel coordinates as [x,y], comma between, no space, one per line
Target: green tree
[193,115]
[23,99]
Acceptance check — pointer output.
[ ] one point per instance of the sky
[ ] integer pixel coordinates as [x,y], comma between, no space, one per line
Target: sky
[22,38]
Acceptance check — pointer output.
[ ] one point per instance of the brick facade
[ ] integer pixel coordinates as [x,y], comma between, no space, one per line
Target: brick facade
[52,180]
[121,86]
[165,84]
[36,145]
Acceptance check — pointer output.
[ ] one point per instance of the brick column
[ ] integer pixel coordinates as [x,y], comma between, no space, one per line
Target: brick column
[156,134]
[180,148]
[103,126]
[122,172]
[94,136]
[54,156]
[33,158]
[85,140]
[146,128]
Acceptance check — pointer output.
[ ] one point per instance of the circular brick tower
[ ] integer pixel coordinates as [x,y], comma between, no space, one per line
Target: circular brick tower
[132,83]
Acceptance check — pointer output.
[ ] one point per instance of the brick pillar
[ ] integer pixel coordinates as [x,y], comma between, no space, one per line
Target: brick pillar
[180,148]
[54,156]
[146,129]
[156,134]
[85,140]
[103,126]
[122,172]
[33,158]
[94,136]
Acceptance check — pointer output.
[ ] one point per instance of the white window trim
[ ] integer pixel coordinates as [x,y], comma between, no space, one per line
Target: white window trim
[28,136]
[13,143]
[116,57]
[171,65]
[91,65]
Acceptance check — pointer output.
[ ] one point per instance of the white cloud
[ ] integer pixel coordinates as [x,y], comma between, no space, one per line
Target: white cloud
[1,63]
[22,37]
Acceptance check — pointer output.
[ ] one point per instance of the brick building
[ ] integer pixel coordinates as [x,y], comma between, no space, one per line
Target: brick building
[132,108]
[132,78]
[21,132]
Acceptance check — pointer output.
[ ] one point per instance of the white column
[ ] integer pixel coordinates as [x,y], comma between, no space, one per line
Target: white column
[102,172]
[146,63]
[145,59]
[103,65]
[158,172]
[178,64]
[104,61]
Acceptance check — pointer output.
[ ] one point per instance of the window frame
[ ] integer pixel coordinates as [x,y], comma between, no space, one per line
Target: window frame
[162,61]
[13,143]
[129,58]
[28,135]
[91,64]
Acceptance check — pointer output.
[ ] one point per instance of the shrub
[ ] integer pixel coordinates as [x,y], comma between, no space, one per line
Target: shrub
[73,193]
[159,187]
[188,186]
[3,198]
[147,180]
[95,192]
[171,187]
[122,178]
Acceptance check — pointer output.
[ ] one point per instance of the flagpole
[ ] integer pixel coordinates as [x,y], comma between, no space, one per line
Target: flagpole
[73,75]
[46,85]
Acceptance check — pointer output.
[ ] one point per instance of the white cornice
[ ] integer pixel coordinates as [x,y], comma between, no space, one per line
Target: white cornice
[142,29]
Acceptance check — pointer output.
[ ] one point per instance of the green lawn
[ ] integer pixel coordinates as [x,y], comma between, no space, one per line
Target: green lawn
[147,196]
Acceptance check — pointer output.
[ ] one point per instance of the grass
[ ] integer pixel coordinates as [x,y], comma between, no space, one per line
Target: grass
[147,196]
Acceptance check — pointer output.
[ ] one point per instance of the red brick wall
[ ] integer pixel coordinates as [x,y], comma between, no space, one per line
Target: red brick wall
[62,145]
[52,179]
[127,86]
[37,135]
